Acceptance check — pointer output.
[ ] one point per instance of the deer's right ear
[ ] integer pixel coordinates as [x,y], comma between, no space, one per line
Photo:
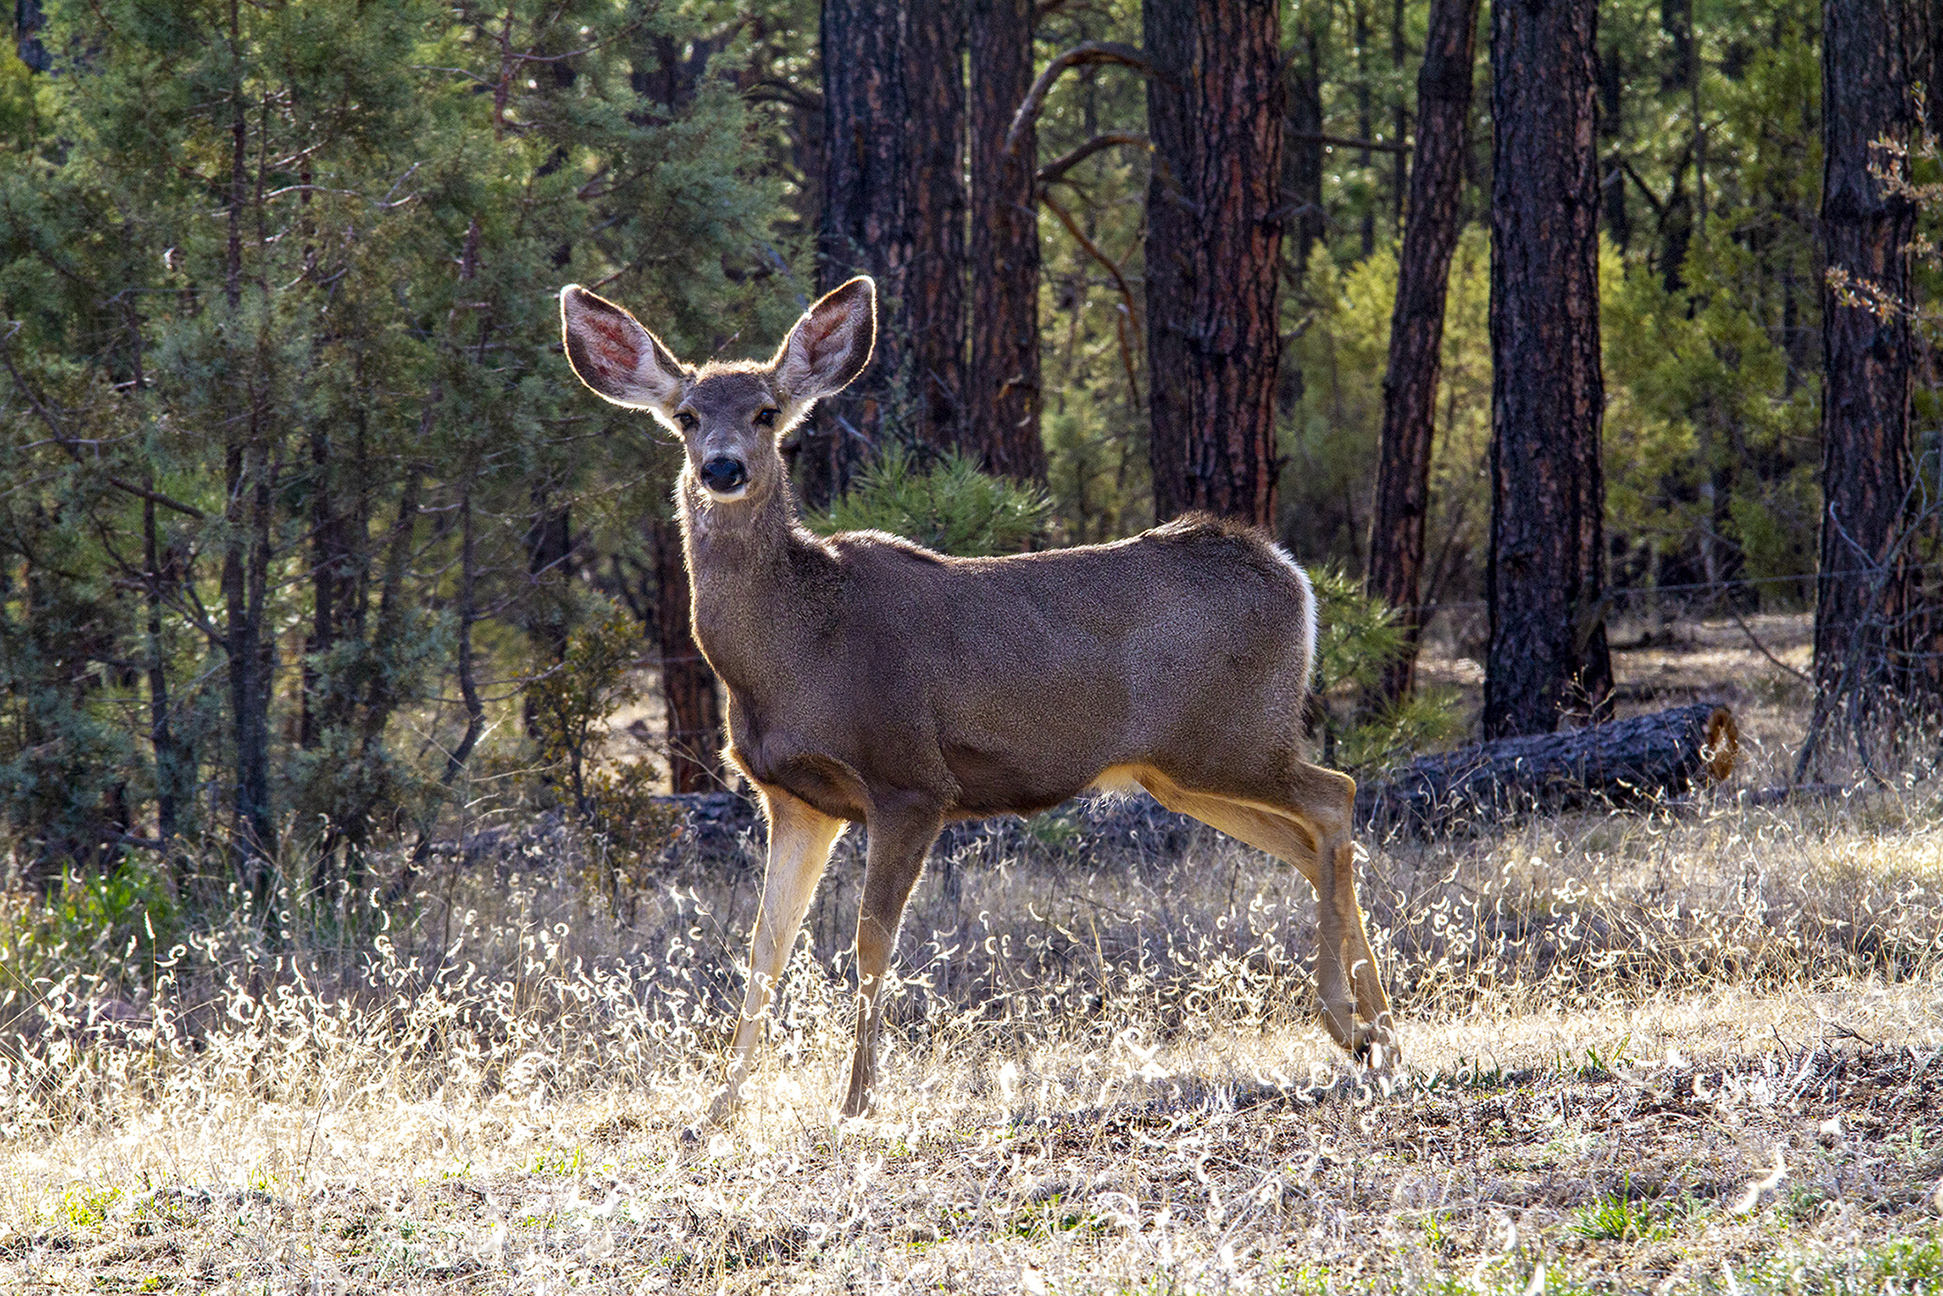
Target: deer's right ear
[831,344]
[615,356]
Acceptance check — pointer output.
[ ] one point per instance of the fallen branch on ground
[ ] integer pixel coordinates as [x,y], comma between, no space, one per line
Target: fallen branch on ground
[1641,761]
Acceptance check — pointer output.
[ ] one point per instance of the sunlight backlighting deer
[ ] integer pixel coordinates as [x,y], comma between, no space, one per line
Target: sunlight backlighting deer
[873,681]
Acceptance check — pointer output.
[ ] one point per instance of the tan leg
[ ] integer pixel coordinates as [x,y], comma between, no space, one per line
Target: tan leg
[1312,833]
[899,841]
[800,838]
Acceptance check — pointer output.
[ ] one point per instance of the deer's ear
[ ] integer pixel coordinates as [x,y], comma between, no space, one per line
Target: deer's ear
[615,356]
[831,344]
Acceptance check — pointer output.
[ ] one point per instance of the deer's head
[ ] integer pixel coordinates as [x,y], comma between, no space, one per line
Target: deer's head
[729,416]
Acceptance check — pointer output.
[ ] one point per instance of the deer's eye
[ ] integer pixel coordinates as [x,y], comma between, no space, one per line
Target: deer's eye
[767,417]
[686,418]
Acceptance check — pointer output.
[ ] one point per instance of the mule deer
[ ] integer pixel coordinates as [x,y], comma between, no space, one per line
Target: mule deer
[871,680]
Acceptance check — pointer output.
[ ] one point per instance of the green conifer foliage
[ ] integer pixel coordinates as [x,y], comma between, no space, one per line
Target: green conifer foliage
[283,392]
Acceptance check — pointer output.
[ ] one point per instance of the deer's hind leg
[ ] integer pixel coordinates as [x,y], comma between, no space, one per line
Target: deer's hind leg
[800,838]
[900,837]
[1310,830]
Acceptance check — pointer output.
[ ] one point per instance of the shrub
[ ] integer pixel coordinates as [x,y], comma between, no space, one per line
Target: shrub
[1359,636]
[949,506]
[612,797]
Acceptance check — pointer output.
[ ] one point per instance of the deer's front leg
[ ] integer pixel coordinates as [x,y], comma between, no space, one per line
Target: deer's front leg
[800,837]
[900,837]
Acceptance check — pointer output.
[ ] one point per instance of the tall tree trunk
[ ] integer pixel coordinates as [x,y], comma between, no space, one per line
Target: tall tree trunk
[1866,358]
[245,571]
[549,565]
[455,760]
[866,226]
[168,761]
[687,684]
[1002,427]
[1214,238]
[1548,655]
[1365,124]
[935,287]
[1399,174]
[246,547]
[1612,183]
[1302,159]
[28,20]
[329,577]
[1417,327]
[170,782]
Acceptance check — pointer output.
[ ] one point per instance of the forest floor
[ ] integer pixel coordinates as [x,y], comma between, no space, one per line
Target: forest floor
[1698,1049]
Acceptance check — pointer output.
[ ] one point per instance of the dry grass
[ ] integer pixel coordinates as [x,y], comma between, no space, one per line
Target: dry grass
[1698,1049]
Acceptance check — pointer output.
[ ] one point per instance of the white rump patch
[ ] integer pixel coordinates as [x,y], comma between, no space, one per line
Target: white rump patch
[1308,615]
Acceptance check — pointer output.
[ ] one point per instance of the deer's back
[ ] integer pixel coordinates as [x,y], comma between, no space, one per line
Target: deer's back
[1012,683]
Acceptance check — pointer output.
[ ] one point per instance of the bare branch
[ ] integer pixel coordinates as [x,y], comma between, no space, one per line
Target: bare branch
[66,443]
[1081,55]
[1347,141]
[770,90]
[1059,166]
[1131,315]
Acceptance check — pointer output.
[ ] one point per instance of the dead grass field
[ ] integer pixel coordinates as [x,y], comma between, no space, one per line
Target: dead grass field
[1693,1050]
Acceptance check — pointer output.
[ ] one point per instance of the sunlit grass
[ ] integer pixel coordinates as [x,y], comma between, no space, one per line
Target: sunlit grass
[1102,1073]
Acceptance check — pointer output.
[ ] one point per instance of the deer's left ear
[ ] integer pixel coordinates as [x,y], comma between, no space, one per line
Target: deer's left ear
[615,356]
[831,344]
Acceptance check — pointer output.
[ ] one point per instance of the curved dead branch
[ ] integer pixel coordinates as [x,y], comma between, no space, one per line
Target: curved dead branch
[1060,165]
[1129,319]
[1084,54]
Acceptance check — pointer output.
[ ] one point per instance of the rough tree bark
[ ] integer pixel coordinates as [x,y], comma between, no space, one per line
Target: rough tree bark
[935,286]
[866,226]
[246,558]
[687,684]
[1864,588]
[893,208]
[1002,406]
[1214,238]
[1548,656]
[1417,327]
[549,567]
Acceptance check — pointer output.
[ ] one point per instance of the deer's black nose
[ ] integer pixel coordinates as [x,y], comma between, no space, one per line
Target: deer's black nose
[725,475]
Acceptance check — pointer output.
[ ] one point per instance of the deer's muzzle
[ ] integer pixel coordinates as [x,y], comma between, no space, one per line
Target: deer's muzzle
[725,476]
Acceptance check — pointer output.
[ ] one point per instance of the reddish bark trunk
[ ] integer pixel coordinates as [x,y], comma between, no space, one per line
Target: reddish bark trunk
[1002,424]
[1417,327]
[1864,588]
[1214,239]
[935,287]
[1548,656]
[866,226]
[687,684]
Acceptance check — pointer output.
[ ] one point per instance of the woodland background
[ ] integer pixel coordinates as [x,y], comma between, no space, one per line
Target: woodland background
[310,546]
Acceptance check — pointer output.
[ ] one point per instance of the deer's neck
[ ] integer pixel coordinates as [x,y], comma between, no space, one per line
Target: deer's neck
[747,564]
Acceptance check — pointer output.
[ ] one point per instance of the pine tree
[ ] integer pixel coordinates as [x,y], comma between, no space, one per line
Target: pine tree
[1545,582]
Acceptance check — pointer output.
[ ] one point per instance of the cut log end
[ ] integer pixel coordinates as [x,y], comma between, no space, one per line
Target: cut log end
[1721,751]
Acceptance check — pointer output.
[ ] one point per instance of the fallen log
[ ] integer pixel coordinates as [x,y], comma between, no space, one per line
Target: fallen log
[1623,762]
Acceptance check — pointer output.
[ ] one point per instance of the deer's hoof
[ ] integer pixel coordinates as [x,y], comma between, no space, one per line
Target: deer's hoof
[722,1105]
[1375,1047]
